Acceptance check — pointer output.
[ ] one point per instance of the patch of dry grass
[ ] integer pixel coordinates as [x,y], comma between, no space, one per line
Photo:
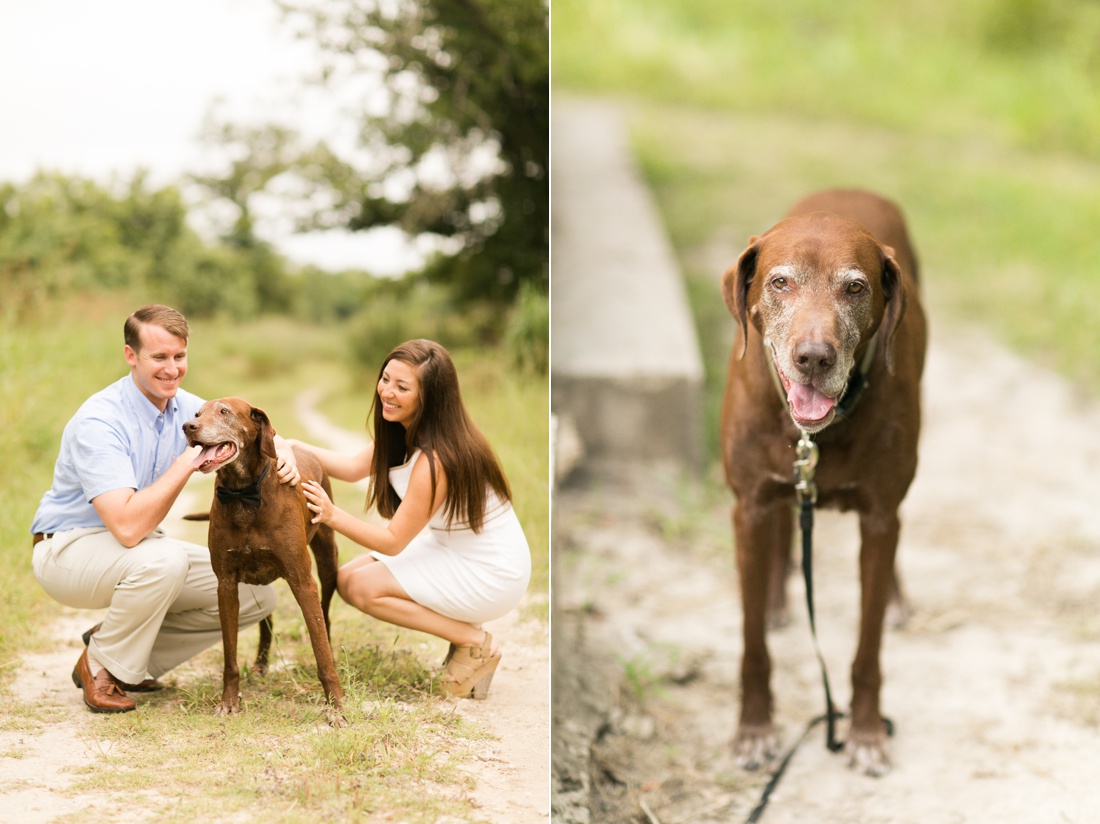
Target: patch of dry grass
[399,758]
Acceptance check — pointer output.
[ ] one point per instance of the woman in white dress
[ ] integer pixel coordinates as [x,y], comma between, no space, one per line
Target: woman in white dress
[453,554]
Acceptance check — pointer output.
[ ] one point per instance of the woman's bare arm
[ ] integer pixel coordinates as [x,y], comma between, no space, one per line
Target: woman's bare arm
[341,465]
[416,509]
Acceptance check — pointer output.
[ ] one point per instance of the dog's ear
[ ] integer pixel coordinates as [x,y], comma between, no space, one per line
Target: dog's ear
[893,291]
[266,433]
[735,289]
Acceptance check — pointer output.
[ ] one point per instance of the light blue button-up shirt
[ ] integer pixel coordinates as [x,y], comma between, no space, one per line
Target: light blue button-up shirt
[117,440]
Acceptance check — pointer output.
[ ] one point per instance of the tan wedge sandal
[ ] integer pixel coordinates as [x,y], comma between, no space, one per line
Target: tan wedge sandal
[471,670]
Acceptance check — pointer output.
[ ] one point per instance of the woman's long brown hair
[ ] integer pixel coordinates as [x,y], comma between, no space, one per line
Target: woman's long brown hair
[443,430]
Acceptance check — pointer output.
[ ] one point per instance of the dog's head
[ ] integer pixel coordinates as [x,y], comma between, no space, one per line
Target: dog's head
[227,428]
[817,288]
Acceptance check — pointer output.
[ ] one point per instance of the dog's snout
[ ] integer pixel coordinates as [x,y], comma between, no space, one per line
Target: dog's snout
[814,357]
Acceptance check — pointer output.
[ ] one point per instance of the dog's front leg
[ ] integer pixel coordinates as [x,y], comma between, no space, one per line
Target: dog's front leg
[229,611]
[756,528]
[867,746]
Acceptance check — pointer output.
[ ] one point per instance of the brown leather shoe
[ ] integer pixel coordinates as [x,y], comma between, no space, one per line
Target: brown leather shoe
[102,693]
[148,685]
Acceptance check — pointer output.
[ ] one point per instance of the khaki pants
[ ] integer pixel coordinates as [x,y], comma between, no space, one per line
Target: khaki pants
[161,597]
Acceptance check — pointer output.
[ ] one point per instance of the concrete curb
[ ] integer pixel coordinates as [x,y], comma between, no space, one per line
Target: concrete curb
[627,372]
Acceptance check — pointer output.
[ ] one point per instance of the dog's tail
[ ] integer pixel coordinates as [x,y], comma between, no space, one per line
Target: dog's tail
[197,516]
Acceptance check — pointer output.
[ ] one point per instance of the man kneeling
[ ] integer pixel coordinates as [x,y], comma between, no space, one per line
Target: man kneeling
[97,539]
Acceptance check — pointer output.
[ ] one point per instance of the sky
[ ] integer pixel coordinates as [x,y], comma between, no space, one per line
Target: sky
[105,87]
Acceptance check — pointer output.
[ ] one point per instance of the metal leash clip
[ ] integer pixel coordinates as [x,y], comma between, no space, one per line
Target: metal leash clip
[806,455]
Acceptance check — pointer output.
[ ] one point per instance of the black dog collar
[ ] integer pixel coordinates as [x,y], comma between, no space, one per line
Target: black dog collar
[247,495]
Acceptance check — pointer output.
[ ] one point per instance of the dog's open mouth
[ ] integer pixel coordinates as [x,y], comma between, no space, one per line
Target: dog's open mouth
[213,456]
[809,406]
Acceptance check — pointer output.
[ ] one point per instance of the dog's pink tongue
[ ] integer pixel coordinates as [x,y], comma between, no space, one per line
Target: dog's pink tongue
[807,403]
[204,456]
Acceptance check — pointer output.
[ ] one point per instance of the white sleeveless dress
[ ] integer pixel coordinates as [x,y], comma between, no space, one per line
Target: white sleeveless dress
[466,575]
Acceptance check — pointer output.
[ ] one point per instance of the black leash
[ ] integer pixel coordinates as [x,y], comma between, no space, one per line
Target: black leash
[805,490]
[806,522]
[806,493]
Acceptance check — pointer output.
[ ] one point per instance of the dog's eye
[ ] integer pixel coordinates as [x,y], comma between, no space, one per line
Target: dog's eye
[855,287]
[779,284]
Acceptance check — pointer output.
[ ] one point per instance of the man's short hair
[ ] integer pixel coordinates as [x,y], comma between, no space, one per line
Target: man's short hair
[165,317]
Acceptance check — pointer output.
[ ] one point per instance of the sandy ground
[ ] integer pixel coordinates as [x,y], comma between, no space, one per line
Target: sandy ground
[994,683]
[511,768]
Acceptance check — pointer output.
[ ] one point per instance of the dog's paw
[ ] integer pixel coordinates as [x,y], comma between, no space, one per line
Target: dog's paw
[227,709]
[868,753]
[755,747]
[335,718]
[898,613]
[778,616]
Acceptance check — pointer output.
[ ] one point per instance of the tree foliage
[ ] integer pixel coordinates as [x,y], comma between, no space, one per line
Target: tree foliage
[61,236]
[452,136]
[65,238]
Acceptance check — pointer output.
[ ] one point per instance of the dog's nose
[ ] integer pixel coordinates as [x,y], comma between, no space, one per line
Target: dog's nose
[813,357]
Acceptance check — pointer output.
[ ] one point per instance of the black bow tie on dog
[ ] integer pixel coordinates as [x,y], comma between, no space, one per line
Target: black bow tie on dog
[247,495]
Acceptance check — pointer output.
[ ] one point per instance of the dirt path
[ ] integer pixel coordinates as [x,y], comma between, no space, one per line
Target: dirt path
[994,684]
[511,770]
[49,759]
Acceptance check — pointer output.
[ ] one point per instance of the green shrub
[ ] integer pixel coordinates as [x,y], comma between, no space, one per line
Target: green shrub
[528,334]
[392,317]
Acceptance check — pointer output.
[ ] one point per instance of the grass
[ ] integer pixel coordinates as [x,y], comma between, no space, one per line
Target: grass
[401,757]
[980,119]
[44,376]
[1017,71]
[401,754]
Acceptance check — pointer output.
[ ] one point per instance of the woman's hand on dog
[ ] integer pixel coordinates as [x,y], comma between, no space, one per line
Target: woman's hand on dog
[287,467]
[318,502]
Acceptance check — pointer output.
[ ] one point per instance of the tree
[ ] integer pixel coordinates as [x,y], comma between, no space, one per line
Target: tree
[452,134]
[63,236]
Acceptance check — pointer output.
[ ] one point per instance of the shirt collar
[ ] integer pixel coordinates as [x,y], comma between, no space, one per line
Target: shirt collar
[144,408]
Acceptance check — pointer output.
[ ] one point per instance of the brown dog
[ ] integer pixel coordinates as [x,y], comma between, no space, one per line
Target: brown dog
[831,343]
[259,529]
